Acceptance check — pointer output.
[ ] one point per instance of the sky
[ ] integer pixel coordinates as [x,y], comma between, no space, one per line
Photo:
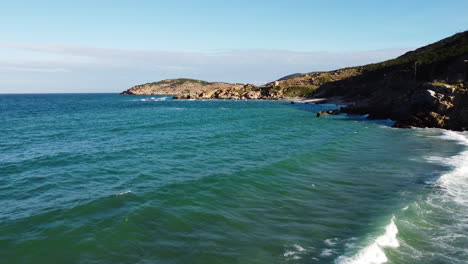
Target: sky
[109,46]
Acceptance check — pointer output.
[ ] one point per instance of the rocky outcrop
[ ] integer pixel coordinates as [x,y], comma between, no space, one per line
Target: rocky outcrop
[425,105]
[246,92]
[437,106]
[179,86]
[423,88]
[196,89]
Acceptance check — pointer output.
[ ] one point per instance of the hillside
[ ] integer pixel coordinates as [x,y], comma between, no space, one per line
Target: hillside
[197,89]
[426,87]
[178,86]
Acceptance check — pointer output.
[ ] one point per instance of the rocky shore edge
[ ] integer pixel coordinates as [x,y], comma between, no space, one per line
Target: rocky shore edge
[425,105]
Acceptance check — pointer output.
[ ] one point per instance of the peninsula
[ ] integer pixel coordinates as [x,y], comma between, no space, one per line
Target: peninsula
[426,87]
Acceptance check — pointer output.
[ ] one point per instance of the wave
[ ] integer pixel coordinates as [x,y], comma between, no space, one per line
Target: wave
[455,182]
[154,99]
[450,198]
[460,137]
[374,254]
[123,193]
[295,252]
[444,210]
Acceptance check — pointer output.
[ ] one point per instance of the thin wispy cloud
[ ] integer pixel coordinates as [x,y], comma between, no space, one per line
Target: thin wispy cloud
[121,68]
[29,69]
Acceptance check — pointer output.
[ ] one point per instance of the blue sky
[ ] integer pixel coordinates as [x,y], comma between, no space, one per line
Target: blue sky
[108,46]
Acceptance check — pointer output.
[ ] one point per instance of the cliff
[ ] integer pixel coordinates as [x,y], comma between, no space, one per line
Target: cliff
[423,88]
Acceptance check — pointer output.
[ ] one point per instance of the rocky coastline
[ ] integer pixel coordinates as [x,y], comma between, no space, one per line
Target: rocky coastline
[427,105]
[427,87]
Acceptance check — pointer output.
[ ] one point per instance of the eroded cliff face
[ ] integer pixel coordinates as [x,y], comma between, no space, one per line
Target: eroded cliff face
[422,105]
[422,88]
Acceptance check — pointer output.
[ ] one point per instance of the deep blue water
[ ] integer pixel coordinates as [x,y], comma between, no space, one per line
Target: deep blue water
[103,178]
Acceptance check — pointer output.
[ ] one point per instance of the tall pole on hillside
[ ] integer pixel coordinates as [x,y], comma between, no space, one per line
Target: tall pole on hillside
[415,70]
[466,64]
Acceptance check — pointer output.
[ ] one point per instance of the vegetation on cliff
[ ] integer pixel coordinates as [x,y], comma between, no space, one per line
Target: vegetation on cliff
[179,86]
[425,88]
[440,51]
[177,82]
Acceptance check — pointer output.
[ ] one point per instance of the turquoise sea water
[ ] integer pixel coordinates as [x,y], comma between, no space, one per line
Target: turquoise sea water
[101,178]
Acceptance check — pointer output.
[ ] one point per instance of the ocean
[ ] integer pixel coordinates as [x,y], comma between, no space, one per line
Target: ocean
[103,178]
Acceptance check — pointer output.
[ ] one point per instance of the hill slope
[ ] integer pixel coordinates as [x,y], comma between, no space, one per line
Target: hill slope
[424,88]
[178,86]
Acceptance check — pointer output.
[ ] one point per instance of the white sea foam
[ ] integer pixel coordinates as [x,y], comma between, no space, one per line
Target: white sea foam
[327,252]
[454,185]
[295,252]
[455,182]
[330,241]
[460,137]
[298,248]
[374,254]
[123,193]
[450,199]
[155,99]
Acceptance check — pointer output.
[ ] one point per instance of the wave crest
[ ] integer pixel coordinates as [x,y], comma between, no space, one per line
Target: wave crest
[374,254]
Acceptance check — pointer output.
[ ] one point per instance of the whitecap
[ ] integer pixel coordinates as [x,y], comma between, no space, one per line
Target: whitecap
[460,137]
[295,252]
[330,241]
[298,248]
[327,252]
[374,254]
[123,193]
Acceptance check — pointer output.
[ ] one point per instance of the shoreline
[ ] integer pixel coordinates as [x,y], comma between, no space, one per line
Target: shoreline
[336,100]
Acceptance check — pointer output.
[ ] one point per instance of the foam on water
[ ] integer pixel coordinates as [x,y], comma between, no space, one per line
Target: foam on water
[455,182]
[295,252]
[327,252]
[374,254]
[155,99]
[330,241]
[453,185]
[450,200]
[123,193]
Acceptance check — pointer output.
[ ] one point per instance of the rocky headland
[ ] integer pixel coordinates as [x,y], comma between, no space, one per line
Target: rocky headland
[426,87]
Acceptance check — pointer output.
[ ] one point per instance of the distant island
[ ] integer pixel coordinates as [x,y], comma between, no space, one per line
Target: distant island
[426,87]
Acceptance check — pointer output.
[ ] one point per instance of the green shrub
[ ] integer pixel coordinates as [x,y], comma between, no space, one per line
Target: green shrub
[299,91]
